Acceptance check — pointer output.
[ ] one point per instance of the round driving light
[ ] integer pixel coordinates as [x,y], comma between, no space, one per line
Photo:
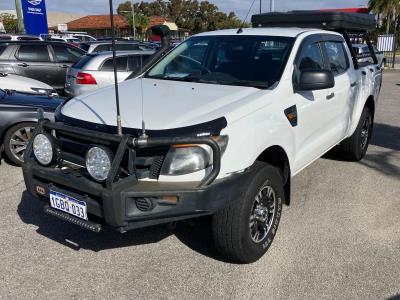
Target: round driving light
[98,163]
[43,149]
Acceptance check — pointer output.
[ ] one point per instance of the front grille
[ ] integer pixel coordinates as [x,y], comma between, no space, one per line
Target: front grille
[146,164]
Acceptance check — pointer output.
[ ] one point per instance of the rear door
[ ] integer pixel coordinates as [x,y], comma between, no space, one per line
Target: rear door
[65,56]
[341,97]
[34,61]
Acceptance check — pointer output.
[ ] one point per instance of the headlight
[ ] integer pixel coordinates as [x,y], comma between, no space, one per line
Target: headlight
[98,163]
[185,159]
[43,149]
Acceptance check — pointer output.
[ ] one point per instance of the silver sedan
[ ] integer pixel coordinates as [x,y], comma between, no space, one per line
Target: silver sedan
[96,70]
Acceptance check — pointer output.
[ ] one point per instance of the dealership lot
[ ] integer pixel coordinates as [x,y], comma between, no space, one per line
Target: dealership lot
[339,239]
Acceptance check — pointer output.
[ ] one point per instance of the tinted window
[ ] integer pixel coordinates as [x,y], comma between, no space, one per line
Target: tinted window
[67,54]
[101,48]
[136,61]
[2,48]
[122,63]
[38,53]
[80,64]
[337,57]
[84,46]
[311,58]
[122,47]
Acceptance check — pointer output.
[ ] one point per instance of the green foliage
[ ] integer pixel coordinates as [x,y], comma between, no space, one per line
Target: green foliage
[389,10]
[10,22]
[196,16]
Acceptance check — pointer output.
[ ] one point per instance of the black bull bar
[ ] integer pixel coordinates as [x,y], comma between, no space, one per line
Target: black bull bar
[127,142]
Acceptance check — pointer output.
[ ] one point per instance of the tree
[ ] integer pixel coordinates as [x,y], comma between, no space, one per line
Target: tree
[188,14]
[388,9]
[10,22]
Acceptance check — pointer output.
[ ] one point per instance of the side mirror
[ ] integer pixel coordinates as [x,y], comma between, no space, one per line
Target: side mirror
[315,80]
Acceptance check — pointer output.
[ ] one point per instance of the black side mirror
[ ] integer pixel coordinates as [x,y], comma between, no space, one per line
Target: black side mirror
[315,80]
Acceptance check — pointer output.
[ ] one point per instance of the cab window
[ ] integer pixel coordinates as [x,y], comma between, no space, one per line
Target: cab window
[337,57]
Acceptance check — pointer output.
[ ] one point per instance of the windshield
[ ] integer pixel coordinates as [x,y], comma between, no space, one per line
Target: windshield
[256,61]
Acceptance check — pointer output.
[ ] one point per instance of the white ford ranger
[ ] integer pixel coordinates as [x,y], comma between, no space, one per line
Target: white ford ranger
[230,117]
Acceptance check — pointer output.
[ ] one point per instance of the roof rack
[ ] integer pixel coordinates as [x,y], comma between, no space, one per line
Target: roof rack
[328,20]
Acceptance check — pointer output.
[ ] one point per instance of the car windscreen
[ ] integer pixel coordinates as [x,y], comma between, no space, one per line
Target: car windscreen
[241,60]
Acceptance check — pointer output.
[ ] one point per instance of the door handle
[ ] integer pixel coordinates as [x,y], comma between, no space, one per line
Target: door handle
[23,65]
[330,96]
[364,73]
[64,66]
[353,84]
[372,70]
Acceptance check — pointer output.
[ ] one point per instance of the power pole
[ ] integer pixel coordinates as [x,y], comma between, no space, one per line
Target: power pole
[133,20]
[20,16]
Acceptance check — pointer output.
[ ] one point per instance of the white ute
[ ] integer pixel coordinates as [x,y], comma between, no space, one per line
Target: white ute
[218,126]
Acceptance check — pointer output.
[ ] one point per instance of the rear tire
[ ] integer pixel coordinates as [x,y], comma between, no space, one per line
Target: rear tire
[355,147]
[16,140]
[244,231]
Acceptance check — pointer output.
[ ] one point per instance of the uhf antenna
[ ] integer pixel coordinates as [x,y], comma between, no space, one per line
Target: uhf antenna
[119,125]
[240,30]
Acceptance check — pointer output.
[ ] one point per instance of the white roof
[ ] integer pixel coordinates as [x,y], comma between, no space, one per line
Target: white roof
[267,31]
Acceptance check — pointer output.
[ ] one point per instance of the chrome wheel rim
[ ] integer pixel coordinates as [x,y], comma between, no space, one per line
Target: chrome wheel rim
[19,141]
[365,131]
[262,214]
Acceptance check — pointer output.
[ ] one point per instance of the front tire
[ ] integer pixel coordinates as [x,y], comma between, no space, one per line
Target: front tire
[355,147]
[16,140]
[244,231]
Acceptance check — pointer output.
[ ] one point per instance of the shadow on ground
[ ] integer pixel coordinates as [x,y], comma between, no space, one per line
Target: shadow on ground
[386,137]
[194,234]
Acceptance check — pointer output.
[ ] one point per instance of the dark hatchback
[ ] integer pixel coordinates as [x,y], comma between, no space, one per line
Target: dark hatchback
[18,118]
[44,61]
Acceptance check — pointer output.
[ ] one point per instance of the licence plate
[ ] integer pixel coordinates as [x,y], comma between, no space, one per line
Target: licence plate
[68,204]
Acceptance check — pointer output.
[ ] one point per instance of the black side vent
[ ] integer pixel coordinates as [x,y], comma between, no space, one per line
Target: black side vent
[156,167]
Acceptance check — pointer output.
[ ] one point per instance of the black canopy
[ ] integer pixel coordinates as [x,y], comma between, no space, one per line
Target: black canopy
[329,20]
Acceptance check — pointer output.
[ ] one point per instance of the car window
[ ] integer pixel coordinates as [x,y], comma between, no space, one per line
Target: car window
[337,57]
[123,47]
[102,47]
[34,53]
[67,54]
[2,48]
[136,61]
[122,63]
[5,38]
[311,58]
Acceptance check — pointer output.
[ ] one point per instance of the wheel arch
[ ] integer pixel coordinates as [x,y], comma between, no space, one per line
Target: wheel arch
[277,157]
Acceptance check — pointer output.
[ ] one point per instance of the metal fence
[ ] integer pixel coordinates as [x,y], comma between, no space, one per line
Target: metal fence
[387,44]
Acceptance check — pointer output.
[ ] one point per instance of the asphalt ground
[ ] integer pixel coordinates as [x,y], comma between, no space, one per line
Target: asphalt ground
[340,239]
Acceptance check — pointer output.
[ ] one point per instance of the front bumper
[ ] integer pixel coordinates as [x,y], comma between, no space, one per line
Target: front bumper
[129,203]
[118,207]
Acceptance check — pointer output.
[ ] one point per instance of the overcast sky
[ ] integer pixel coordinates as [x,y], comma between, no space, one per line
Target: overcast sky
[240,7]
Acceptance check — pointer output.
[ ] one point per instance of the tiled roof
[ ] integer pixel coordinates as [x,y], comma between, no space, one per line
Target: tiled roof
[97,22]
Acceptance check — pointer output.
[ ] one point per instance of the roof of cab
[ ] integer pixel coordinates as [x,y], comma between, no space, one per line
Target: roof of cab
[272,31]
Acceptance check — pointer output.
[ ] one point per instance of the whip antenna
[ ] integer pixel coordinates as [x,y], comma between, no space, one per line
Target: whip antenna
[240,30]
[119,125]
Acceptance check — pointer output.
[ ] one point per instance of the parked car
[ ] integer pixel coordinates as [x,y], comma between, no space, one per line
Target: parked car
[19,37]
[40,60]
[83,37]
[25,84]
[18,118]
[363,52]
[101,46]
[220,134]
[96,70]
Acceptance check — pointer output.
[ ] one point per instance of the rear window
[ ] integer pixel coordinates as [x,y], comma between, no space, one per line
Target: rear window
[82,62]
[122,64]
[34,53]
